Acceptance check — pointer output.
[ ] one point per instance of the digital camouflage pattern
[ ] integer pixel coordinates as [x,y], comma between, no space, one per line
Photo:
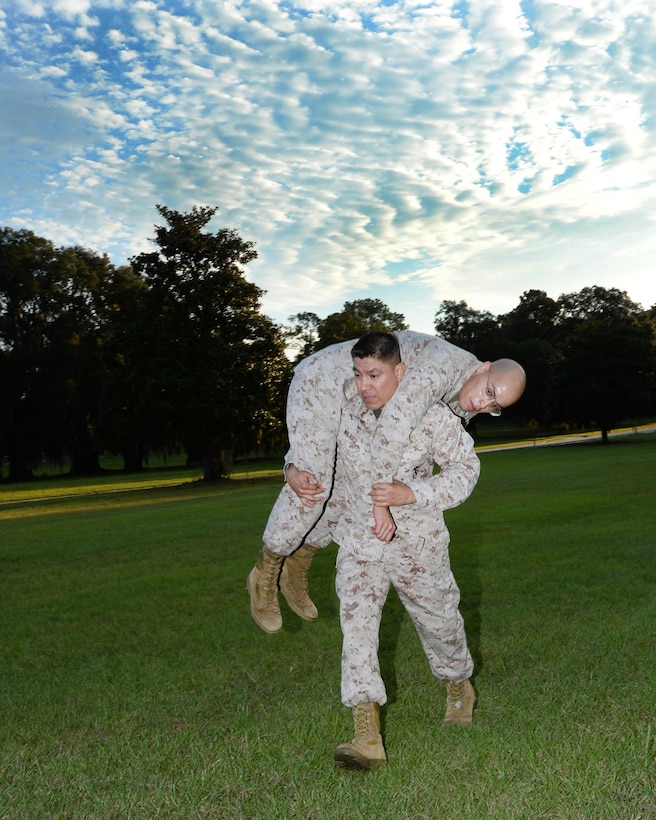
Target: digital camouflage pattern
[322,385]
[416,561]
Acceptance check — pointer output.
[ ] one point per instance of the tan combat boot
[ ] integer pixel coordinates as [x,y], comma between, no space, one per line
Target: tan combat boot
[366,750]
[263,590]
[294,582]
[460,700]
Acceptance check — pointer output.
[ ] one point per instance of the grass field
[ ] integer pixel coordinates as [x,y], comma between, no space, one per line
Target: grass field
[134,684]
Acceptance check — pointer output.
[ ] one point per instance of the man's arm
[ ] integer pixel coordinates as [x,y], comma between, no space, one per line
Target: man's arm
[384,524]
[440,438]
[395,494]
[304,484]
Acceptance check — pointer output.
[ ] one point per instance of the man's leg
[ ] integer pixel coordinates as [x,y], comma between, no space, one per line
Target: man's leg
[429,593]
[262,586]
[314,403]
[362,589]
[295,569]
[294,582]
[289,523]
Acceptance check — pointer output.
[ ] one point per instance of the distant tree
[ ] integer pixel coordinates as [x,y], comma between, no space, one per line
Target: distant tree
[473,330]
[597,302]
[28,299]
[215,363]
[81,344]
[606,368]
[357,318]
[51,360]
[534,318]
[303,334]
[530,332]
[130,420]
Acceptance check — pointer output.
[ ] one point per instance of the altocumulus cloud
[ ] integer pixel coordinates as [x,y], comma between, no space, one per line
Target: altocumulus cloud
[408,151]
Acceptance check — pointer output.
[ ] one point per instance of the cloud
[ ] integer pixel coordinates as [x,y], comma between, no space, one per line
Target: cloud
[462,152]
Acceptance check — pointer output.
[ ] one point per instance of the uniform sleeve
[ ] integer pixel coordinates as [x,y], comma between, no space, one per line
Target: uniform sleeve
[441,439]
[314,402]
[443,367]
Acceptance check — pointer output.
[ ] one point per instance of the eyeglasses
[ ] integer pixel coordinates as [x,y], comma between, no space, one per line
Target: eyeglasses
[492,397]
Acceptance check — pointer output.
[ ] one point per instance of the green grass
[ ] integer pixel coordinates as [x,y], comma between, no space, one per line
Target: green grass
[46,475]
[133,683]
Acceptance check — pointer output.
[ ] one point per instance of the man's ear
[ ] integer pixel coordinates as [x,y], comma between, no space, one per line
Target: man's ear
[483,367]
[400,371]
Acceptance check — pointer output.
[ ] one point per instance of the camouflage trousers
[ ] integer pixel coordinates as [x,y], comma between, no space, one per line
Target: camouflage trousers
[291,524]
[430,595]
[313,414]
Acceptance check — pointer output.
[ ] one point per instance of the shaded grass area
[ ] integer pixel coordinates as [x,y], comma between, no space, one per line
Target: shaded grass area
[133,683]
[115,481]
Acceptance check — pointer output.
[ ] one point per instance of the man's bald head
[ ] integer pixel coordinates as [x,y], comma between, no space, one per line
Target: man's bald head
[493,387]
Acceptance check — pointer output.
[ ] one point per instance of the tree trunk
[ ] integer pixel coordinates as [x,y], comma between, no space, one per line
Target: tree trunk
[18,469]
[85,461]
[133,459]
[217,465]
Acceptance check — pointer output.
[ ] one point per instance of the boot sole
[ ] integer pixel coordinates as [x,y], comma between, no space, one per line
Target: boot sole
[348,759]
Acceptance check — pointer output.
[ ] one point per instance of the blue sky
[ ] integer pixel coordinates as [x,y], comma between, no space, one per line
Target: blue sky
[406,151]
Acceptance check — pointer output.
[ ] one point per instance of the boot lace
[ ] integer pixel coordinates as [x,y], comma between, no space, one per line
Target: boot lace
[270,588]
[301,567]
[361,721]
[270,584]
[303,572]
[454,695]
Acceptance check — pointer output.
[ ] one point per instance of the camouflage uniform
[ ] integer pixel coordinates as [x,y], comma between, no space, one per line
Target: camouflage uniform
[416,561]
[322,385]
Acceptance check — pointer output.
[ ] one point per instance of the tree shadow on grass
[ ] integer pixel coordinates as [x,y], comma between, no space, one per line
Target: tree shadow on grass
[465,565]
[390,629]
[466,570]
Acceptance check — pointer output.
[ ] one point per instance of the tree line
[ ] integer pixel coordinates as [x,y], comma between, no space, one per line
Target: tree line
[173,351]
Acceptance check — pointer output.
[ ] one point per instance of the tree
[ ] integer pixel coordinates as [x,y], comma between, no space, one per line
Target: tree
[79,338]
[214,364]
[356,319]
[473,330]
[128,408]
[27,304]
[51,352]
[529,334]
[606,368]
[303,334]
[534,318]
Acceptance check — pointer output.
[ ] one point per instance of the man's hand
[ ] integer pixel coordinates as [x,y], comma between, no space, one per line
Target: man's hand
[395,494]
[384,526]
[305,485]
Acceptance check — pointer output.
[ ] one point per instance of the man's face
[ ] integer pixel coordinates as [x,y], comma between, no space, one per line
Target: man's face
[376,380]
[486,391]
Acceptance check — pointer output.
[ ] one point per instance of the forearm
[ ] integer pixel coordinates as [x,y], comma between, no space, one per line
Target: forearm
[394,494]
[449,488]
[304,484]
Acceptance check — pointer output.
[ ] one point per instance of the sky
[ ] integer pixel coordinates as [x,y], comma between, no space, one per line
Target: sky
[411,152]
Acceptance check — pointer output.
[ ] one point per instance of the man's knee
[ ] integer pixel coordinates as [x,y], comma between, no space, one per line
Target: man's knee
[289,522]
